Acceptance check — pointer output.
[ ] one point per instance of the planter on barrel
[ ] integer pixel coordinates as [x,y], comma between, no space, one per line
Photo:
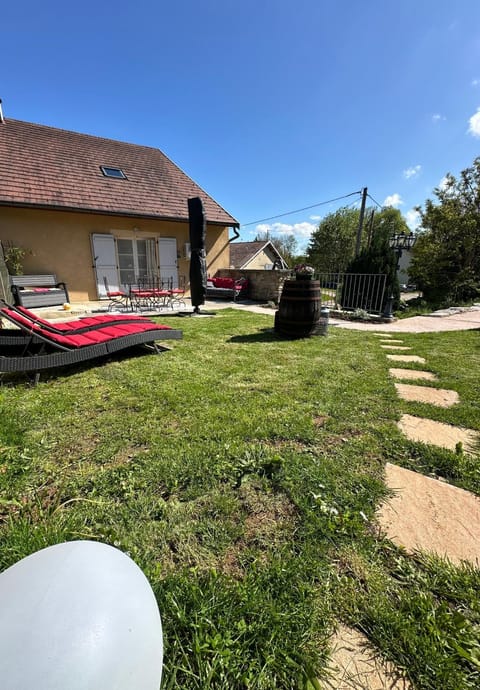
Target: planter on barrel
[299,311]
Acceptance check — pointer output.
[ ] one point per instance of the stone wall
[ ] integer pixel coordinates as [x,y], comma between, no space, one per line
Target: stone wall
[265,286]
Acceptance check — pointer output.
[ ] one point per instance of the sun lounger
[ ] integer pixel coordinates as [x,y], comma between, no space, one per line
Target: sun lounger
[40,348]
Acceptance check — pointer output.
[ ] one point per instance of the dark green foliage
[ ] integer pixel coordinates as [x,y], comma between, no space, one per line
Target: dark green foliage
[333,243]
[446,257]
[377,258]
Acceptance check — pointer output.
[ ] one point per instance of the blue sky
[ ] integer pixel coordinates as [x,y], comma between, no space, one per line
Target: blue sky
[271,106]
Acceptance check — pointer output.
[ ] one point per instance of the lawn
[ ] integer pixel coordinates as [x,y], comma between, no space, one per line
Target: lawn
[241,472]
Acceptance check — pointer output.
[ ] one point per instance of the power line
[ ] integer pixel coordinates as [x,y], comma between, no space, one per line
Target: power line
[307,208]
[375,202]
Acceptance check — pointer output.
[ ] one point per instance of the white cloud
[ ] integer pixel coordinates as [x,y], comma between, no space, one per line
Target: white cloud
[315,217]
[475,82]
[263,227]
[443,183]
[474,124]
[413,171]
[299,230]
[304,229]
[393,200]
[413,219]
[438,118]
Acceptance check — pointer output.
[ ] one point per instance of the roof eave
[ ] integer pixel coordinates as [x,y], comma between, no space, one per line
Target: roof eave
[106,212]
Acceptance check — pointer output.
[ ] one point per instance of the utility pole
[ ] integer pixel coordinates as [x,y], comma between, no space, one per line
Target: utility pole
[370,227]
[360,222]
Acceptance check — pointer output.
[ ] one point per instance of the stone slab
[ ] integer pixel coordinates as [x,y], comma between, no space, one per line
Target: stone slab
[441,397]
[429,515]
[412,374]
[354,665]
[437,433]
[406,358]
[395,347]
[392,340]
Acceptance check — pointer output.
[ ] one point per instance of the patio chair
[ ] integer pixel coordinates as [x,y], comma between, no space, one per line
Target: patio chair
[117,298]
[41,349]
[177,294]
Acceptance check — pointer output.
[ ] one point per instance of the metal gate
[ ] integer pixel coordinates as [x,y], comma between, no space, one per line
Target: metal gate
[354,291]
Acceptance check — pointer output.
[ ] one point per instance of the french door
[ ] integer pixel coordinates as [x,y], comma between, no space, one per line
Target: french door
[122,261]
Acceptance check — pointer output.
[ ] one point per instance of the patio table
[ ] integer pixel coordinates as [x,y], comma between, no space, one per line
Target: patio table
[149,294]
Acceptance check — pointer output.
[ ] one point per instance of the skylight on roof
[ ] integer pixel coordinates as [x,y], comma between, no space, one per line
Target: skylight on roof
[117,173]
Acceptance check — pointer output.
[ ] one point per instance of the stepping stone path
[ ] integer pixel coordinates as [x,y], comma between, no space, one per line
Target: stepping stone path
[435,396]
[354,665]
[424,514]
[412,374]
[427,513]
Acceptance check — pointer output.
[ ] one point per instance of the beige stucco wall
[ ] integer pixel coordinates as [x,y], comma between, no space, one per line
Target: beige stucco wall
[59,242]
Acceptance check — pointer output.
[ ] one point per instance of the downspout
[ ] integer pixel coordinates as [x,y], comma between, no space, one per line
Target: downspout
[2,119]
[235,230]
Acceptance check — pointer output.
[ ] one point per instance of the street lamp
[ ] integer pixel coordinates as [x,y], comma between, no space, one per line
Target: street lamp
[401,241]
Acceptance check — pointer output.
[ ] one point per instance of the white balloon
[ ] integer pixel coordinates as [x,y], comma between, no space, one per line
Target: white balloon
[79,616]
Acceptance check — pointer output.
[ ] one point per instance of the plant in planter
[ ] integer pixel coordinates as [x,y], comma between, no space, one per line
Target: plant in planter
[304,272]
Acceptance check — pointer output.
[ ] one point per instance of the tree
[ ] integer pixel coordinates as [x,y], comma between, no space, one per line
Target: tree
[388,221]
[375,258]
[286,245]
[446,257]
[332,245]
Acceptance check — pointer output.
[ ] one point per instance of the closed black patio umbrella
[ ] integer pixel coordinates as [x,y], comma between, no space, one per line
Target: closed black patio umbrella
[198,262]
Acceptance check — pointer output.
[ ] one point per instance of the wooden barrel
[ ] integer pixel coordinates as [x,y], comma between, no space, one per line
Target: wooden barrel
[298,314]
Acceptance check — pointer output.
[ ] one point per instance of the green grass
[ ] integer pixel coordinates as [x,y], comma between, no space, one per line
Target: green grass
[242,472]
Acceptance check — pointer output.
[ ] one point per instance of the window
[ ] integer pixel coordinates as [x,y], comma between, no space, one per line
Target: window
[113,172]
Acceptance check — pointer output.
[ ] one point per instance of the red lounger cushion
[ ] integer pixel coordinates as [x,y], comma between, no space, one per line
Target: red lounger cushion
[94,337]
[75,324]
[229,283]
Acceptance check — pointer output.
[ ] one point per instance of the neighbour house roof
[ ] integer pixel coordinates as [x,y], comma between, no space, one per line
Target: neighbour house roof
[45,167]
[242,253]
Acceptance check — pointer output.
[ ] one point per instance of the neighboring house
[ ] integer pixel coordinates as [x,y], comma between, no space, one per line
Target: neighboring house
[255,255]
[85,208]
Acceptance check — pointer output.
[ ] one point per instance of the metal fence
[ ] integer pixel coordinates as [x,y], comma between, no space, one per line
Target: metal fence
[354,291]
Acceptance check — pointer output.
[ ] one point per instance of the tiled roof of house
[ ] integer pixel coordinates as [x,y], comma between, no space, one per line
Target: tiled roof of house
[243,252]
[53,168]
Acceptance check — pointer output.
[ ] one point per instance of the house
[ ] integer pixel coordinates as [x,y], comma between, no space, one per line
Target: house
[255,255]
[84,208]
